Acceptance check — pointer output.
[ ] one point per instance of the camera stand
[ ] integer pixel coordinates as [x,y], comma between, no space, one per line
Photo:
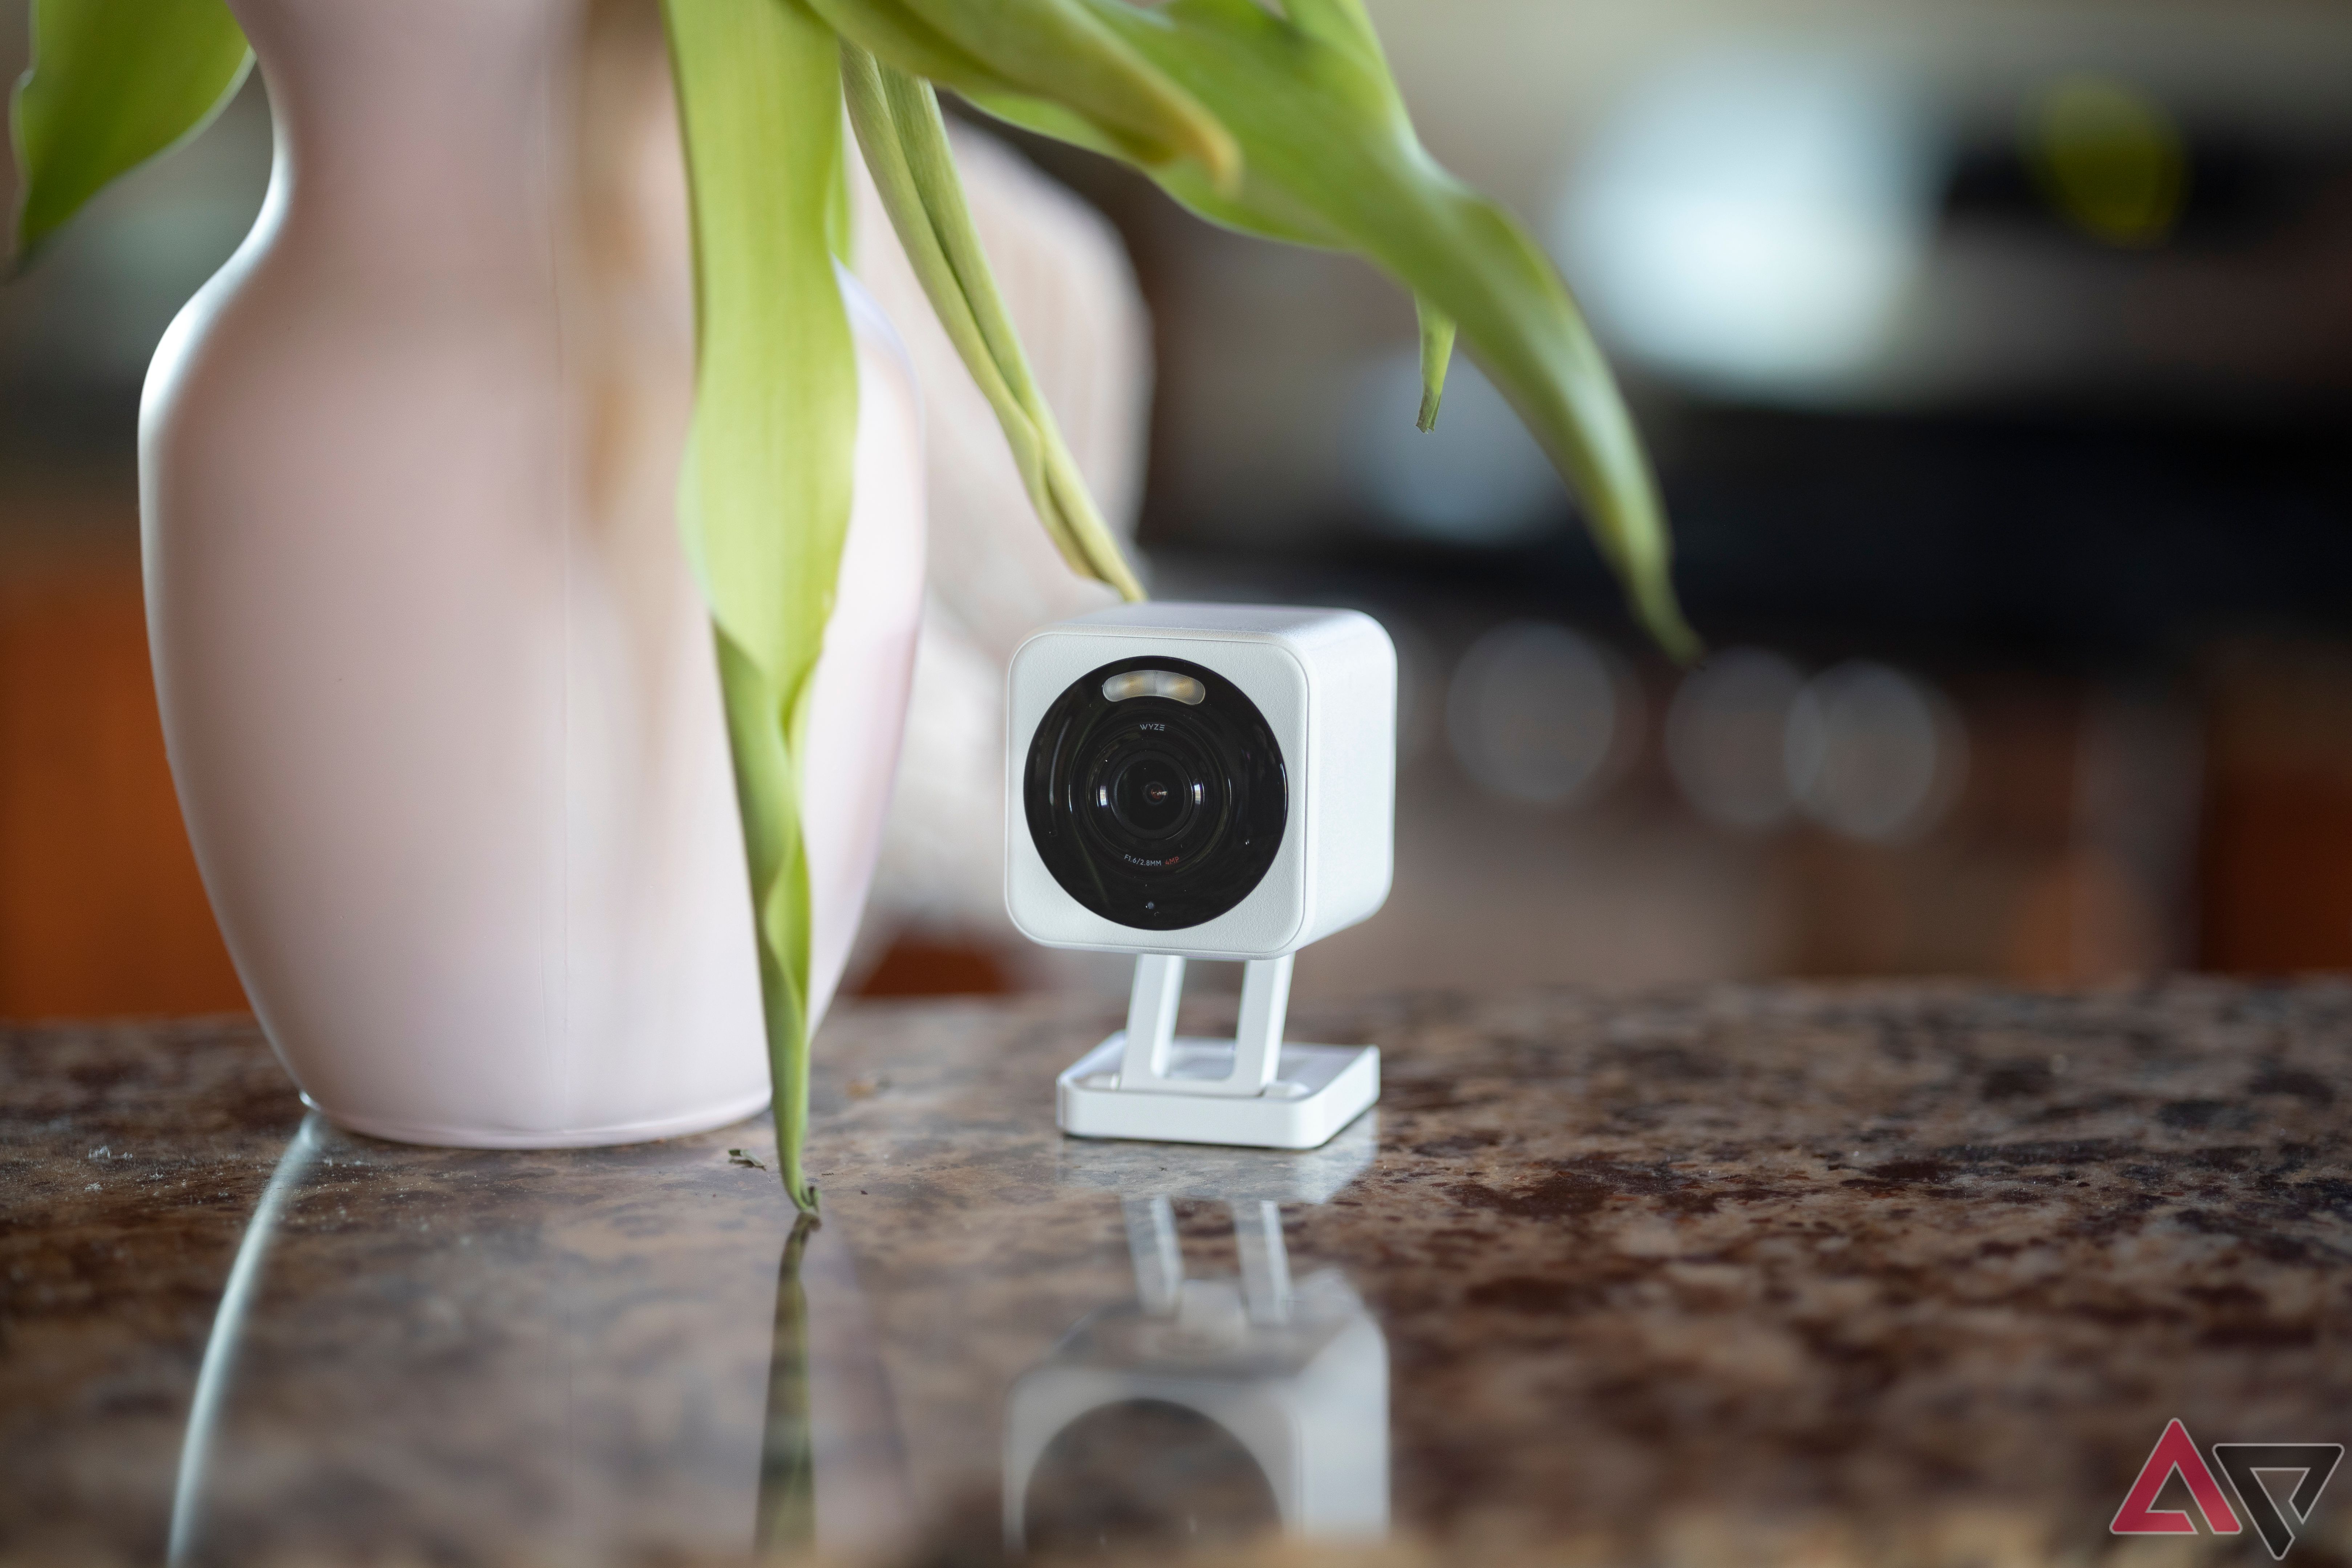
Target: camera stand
[1255,1090]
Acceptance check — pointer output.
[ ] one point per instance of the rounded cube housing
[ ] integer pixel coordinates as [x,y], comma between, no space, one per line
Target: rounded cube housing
[1217,781]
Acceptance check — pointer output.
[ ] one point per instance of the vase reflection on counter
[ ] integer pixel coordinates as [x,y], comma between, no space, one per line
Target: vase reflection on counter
[1207,1410]
[436,682]
[582,1360]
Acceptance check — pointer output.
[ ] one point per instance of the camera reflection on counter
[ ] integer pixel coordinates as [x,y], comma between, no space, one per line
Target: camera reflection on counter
[1206,1410]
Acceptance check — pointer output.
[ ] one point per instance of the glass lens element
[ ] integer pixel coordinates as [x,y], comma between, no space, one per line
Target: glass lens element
[1150,795]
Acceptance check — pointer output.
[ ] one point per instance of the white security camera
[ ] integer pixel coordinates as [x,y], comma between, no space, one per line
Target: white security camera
[1204,780]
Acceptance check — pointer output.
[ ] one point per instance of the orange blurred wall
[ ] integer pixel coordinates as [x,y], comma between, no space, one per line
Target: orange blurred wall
[2276,873]
[101,912]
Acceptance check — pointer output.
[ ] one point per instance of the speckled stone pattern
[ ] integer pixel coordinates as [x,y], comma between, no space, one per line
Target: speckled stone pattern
[1770,1274]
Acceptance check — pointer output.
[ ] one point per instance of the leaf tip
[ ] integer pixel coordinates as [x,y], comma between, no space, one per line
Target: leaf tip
[1436,354]
[29,235]
[1207,142]
[1226,176]
[1662,619]
[31,244]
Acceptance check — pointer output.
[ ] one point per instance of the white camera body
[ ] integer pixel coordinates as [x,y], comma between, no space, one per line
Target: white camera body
[1324,681]
[1213,782]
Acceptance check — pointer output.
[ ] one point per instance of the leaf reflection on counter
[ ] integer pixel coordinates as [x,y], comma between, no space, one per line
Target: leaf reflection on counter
[787,1517]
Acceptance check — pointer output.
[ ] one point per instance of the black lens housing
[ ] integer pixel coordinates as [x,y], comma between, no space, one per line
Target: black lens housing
[1154,813]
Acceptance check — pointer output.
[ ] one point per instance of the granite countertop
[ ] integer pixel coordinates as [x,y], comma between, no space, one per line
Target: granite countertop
[1884,1274]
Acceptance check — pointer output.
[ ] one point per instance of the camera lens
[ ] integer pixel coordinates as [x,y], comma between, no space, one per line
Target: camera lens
[1156,793]
[1152,795]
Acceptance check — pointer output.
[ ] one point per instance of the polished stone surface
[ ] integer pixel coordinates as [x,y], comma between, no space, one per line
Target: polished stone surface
[1772,1274]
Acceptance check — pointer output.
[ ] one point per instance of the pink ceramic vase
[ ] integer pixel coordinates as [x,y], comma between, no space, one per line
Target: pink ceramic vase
[437,687]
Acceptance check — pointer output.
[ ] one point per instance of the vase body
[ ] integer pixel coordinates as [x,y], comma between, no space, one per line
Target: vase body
[437,683]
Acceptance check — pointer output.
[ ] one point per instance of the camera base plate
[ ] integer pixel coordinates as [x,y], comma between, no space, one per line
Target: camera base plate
[1316,1091]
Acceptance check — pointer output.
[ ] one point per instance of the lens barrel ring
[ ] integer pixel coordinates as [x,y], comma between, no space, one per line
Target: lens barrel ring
[1153,812]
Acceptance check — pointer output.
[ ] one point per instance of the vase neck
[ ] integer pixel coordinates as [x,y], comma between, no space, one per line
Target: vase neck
[421,137]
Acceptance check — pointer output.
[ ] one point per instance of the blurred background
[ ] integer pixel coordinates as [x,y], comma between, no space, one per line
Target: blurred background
[1997,360]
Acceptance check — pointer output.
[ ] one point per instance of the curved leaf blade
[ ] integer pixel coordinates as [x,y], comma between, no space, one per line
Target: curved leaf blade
[1329,157]
[888,30]
[764,496]
[1436,355]
[112,84]
[899,129]
[1093,70]
[1057,50]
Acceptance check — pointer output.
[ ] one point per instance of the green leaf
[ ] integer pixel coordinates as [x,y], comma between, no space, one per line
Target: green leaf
[764,496]
[1329,158]
[1436,354]
[113,83]
[841,211]
[896,118]
[1060,49]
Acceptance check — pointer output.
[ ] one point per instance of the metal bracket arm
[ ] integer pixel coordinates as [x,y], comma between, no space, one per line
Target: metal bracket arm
[1145,1065]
